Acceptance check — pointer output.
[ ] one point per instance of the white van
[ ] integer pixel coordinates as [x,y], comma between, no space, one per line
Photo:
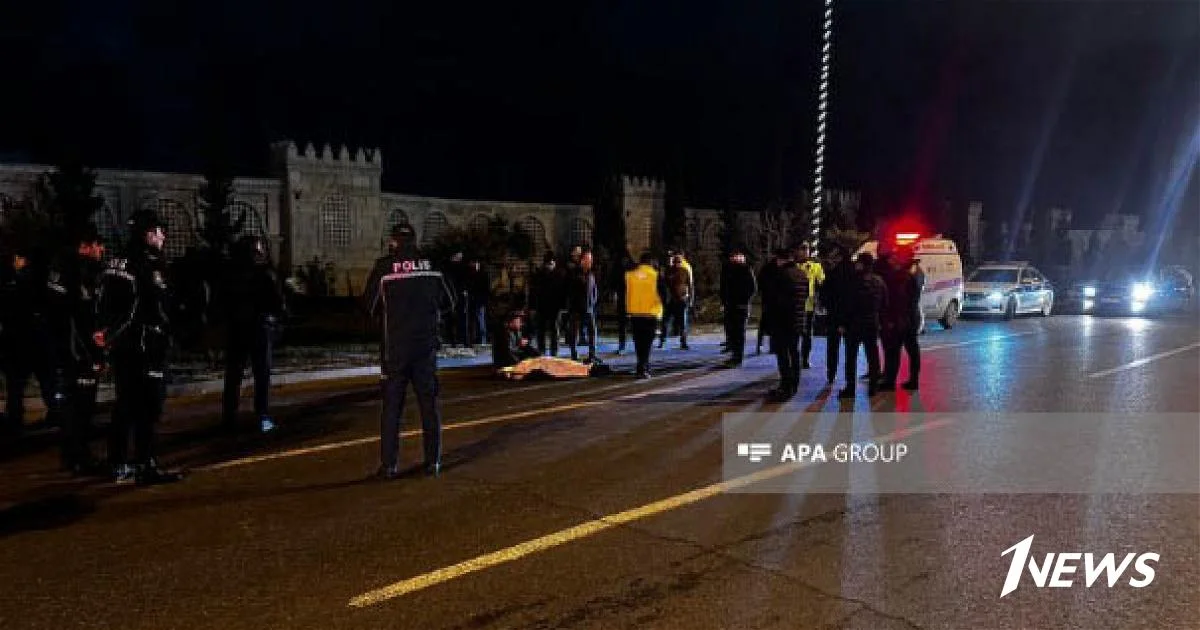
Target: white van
[943,295]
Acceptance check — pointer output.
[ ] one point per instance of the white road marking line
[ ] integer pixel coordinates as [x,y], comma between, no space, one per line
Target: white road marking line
[320,448]
[1143,361]
[595,526]
[975,341]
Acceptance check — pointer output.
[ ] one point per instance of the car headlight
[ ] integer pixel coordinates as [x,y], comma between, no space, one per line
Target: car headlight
[1142,291]
[995,296]
[1089,292]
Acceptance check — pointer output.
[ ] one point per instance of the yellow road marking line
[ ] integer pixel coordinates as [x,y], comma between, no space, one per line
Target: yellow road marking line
[1143,361]
[603,523]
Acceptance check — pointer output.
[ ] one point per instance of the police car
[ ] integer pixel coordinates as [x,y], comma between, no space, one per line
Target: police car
[942,297]
[1008,289]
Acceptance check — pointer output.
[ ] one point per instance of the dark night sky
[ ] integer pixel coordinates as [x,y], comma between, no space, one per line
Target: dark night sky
[1079,103]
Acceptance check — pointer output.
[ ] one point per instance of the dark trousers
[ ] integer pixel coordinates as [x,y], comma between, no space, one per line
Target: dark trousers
[479,321]
[893,341]
[643,330]
[19,366]
[77,417]
[870,343]
[785,345]
[675,313]
[140,390]
[462,312]
[422,373]
[806,335]
[622,323]
[581,322]
[547,324]
[256,346]
[735,330]
[833,343]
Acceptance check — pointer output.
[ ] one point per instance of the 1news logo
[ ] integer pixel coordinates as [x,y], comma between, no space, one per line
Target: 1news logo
[1064,564]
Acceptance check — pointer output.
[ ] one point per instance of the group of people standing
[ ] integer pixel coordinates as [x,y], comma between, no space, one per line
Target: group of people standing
[69,317]
[866,302]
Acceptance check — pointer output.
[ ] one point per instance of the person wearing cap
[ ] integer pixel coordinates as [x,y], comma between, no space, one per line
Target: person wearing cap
[71,283]
[133,328]
[408,296]
[866,298]
[256,310]
[738,288]
[816,277]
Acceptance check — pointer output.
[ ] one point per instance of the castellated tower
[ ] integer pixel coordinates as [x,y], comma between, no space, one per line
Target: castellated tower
[331,208]
[643,200]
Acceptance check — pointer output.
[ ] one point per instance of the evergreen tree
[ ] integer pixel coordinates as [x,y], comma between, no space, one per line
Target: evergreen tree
[67,198]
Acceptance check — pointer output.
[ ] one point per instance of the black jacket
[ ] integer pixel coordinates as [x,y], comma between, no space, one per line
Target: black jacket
[738,285]
[547,290]
[865,301]
[508,351]
[582,292]
[478,286]
[904,299]
[132,303]
[787,299]
[255,295]
[71,285]
[408,295]
[835,293]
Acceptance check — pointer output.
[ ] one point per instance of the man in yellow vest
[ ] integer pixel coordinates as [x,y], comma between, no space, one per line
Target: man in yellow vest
[644,307]
[816,277]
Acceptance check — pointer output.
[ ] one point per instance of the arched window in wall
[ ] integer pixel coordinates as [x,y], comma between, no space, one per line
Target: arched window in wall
[181,233]
[435,225]
[335,223]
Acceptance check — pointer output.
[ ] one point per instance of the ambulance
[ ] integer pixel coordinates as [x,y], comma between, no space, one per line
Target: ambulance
[943,295]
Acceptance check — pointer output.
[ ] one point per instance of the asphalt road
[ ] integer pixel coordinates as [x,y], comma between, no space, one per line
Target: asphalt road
[593,505]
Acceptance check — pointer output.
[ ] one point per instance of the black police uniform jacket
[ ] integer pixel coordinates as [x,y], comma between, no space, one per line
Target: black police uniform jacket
[408,295]
[71,284]
[133,300]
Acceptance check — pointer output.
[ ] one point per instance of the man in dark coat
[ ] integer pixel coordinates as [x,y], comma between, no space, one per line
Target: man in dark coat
[738,287]
[547,297]
[834,295]
[901,322]
[866,299]
[786,302]
[765,281]
[256,310]
[582,295]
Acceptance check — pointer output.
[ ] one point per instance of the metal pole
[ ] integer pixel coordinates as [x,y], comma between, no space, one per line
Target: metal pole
[822,119]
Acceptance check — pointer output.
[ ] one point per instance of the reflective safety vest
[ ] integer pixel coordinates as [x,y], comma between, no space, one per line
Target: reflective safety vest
[816,277]
[642,298]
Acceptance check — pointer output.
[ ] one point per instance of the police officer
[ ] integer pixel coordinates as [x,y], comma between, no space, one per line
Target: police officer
[408,295]
[256,312]
[132,307]
[71,306]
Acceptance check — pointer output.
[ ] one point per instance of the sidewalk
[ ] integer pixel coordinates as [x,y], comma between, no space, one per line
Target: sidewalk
[302,366]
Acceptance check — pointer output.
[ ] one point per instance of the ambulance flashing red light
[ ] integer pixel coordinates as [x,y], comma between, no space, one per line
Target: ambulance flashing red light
[907,238]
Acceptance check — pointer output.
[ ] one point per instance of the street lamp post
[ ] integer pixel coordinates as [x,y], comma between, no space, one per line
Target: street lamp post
[822,120]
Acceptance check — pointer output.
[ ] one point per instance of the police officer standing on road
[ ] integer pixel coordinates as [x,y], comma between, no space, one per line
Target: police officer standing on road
[409,296]
[866,299]
[737,289]
[133,327]
[71,308]
[256,309]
